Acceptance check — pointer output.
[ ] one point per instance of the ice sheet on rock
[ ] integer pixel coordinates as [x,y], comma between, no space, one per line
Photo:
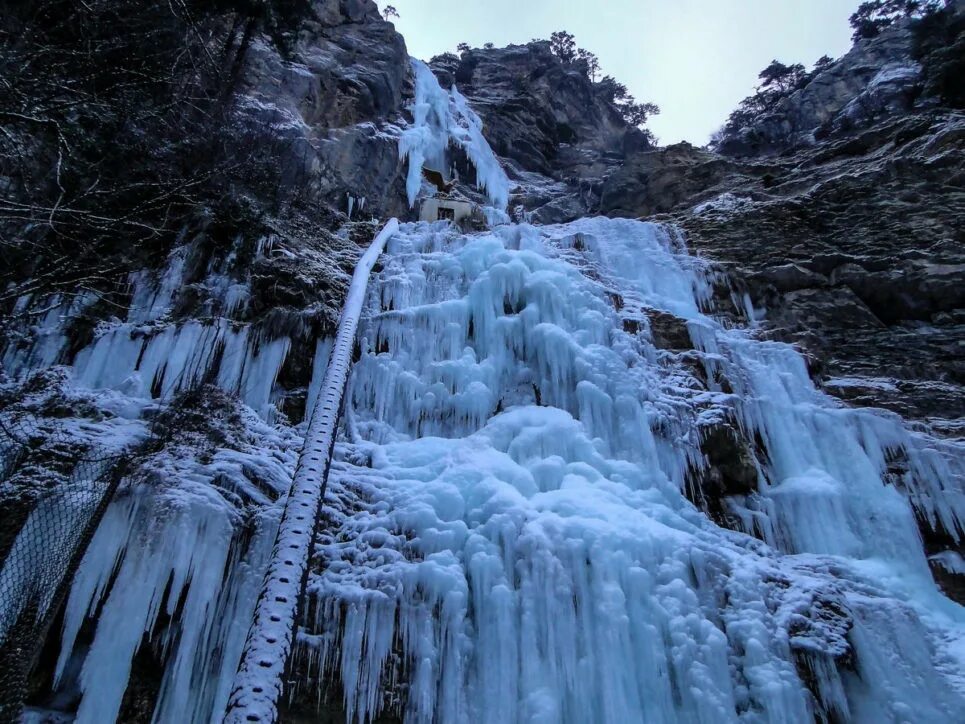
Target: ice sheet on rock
[148,355]
[442,119]
[41,341]
[178,560]
[41,548]
[323,352]
[161,363]
[153,295]
[950,561]
[507,535]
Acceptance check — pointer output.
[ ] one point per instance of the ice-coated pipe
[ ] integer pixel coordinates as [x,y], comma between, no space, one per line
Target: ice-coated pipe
[259,682]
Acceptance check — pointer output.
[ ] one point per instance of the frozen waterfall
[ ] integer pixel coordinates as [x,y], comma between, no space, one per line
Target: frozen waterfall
[522,522]
[508,535]
[443,119]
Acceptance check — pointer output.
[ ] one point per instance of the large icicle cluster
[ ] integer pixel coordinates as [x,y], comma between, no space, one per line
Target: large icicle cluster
[148,355]
[175,567]
[444,118]
[174,570]
[508,537]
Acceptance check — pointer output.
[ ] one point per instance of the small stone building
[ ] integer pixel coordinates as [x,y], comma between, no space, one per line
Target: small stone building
[455,210]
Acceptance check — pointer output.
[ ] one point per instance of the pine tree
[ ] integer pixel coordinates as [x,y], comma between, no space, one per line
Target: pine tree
[590,62]
[873,16]
[564,46]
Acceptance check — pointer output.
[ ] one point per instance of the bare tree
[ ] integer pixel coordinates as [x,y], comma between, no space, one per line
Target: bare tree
[113,132]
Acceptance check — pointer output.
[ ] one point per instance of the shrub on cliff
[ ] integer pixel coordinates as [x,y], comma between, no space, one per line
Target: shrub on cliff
[563,45]
[939,45]
[778,81]
[873,16]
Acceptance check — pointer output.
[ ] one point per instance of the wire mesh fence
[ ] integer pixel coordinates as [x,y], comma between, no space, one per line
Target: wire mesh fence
[53,492]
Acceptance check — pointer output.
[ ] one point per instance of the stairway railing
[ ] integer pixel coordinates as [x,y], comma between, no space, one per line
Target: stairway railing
[259,683]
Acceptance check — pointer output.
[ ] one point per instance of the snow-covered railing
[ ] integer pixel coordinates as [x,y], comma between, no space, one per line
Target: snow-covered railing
[259,682]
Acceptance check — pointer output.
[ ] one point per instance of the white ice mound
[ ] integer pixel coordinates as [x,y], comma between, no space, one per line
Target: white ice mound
[443,119]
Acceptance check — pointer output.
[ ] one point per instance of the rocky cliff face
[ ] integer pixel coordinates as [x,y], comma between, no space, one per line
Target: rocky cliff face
[877,78]
[313,129]
[333,107]
[541,114]
[851,247]
[558,137]
[193,355]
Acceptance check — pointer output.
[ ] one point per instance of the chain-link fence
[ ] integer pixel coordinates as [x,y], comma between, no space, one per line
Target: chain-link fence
[54,490]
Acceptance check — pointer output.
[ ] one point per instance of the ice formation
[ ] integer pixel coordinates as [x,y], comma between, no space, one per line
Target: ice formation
[156,571]
[443,119]
[508,538]
[177,563]
[148,355]
[258,687]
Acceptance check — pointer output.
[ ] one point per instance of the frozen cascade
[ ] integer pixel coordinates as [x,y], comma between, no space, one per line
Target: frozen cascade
[178,561]
[507,535]
[175,568]
[444,118]
[150,356]
[178,357]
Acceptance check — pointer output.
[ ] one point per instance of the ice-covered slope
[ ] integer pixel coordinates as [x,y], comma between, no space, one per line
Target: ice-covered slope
[509,535]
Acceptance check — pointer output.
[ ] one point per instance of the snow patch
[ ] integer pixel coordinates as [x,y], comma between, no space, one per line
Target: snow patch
[726,203]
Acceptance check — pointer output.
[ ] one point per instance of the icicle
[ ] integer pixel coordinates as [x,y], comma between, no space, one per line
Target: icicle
[177,550]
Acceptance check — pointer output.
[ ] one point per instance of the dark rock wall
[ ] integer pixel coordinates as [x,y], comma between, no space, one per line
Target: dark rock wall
[334,105]
[541,114]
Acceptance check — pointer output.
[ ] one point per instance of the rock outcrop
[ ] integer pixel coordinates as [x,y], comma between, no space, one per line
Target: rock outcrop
[208,339]
[557,134]
[333,107]
[876,79]
[543,115]
[842,212]
[852,248]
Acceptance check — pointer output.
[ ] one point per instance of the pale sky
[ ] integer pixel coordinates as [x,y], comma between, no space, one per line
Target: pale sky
[695,58]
